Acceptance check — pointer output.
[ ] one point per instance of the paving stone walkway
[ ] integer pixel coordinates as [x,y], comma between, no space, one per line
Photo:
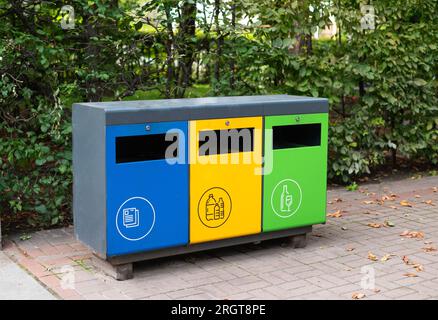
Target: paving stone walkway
[383,234]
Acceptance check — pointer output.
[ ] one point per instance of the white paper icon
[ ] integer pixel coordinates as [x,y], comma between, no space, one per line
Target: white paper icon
[131,217]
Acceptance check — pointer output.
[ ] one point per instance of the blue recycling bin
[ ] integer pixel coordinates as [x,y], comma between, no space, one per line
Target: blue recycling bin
[147,206]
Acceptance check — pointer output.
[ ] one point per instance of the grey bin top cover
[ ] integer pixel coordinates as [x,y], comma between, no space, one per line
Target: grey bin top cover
[129,112]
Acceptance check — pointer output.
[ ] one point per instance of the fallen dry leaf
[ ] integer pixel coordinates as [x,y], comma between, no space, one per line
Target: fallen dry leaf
[429,202]
[412,234]
[350,249]
[418,267]
[386,257]
[336,214]
[372,256]
[410,275]
[405,203]
[415,265]
[374,225]
[368,202]
[377,290]
[391,197]
[389,223]
[393,207]
[358,295]
[435,189]
[406,260]
[429,249]
[417,196]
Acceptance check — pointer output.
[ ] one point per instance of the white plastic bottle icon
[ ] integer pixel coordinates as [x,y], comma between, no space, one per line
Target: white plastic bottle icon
[216,212]
[210,208]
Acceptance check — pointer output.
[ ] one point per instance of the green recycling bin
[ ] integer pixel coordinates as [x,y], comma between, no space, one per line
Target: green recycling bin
[294,183]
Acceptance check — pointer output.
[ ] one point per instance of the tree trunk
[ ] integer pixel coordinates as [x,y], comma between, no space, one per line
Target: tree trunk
[157,64]
[169,52]
[309,44]
[92,86]
[208,65]
[186,46]
[219,42]
[198,61]
[232,60]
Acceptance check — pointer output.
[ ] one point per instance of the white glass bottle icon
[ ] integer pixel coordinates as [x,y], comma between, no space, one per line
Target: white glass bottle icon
[210,208]
[285,200]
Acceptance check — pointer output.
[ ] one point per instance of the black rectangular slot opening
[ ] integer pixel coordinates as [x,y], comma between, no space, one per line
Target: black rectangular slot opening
[296,136]
[143,148]
[226,141]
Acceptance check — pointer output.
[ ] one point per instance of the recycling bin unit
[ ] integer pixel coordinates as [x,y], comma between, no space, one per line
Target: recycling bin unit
[165,177]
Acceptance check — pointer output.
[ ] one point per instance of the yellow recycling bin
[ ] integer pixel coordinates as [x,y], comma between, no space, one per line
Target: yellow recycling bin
[225,178]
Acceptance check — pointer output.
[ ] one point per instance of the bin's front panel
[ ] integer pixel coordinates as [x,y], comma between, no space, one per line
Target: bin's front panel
[295,168]
[147,197]
[225,178]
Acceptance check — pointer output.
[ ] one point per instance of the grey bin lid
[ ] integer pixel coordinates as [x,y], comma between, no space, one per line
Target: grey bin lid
[131,112]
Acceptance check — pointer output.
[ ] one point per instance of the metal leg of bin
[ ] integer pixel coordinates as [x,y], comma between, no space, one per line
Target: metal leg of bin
[119,272]
[298,241]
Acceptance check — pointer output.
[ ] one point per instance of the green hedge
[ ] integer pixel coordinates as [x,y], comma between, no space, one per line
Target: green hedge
[382,84]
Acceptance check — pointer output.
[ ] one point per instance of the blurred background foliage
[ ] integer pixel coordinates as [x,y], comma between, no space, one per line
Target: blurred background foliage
[382,83]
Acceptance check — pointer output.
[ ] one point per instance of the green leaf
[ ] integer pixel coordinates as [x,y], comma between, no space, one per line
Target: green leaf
[353,187]
[55,220]
[40,162]
[25,237]
[420,82]
[42,209]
